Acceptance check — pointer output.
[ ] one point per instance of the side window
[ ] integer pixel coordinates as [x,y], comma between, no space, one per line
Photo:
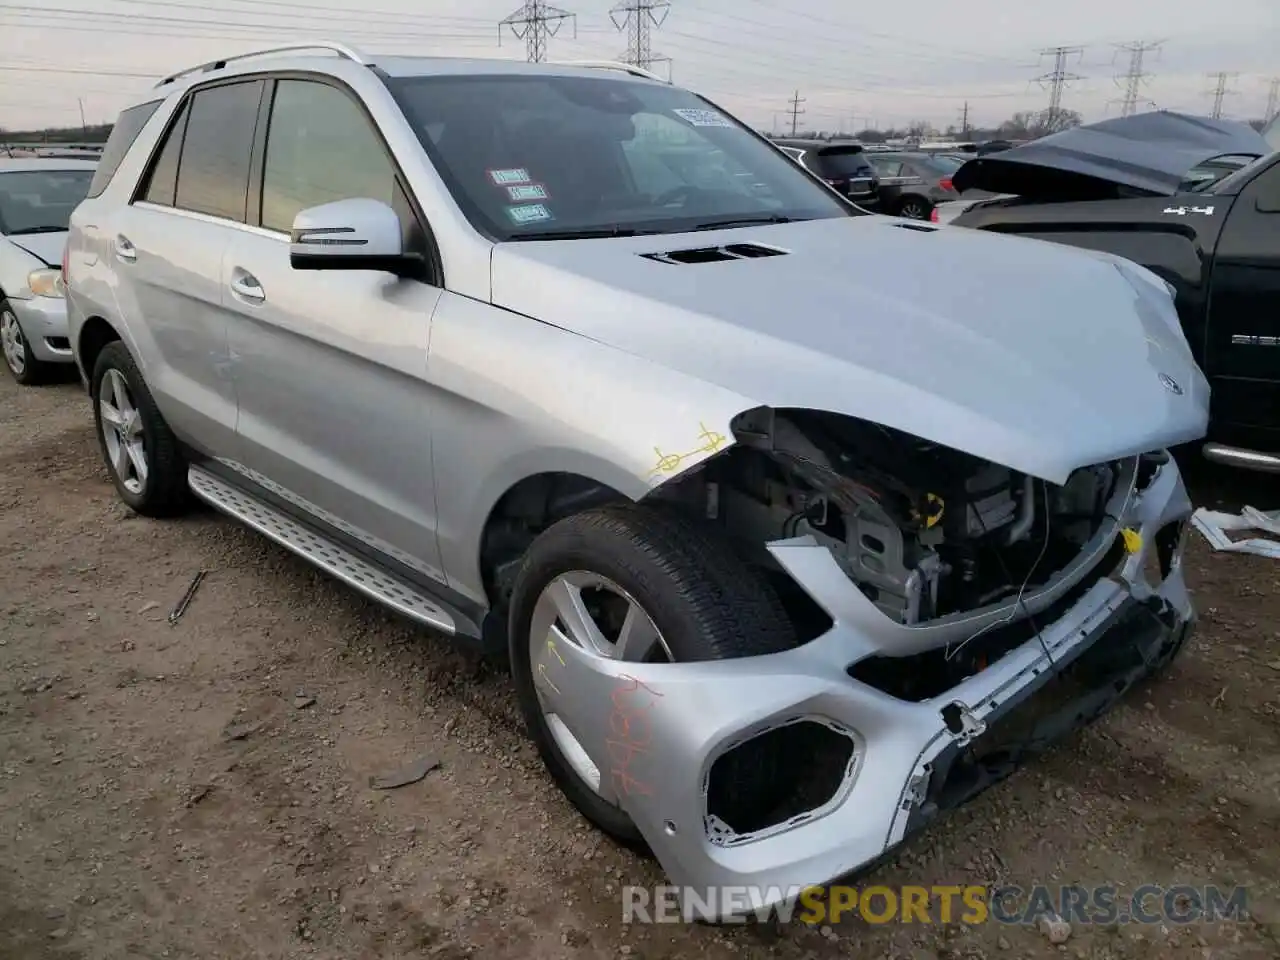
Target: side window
[888,168]
[123,133]
[321,147]
[162,184]
[213,174]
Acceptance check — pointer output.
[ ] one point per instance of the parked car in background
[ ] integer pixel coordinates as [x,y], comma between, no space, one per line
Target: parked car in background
[447,329]
[912,184]
[36,201]
[845,166]
[1195,200]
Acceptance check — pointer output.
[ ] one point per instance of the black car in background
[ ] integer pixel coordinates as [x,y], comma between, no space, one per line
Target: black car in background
[912,184]
[843,165]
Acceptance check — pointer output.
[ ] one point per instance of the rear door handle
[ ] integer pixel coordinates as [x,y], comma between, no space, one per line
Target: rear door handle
[246,286]
[125,250]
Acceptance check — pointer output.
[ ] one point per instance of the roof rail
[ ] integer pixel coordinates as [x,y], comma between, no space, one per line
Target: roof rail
[630,68]
[341,49]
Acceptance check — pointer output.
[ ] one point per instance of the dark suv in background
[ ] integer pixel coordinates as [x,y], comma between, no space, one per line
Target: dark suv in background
[843,165]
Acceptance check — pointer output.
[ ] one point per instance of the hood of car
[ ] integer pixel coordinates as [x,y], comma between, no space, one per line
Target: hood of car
[1148,152]
[43,246]
[1038,356]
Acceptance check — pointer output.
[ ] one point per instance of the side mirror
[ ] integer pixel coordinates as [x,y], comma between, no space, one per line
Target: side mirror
[356,234]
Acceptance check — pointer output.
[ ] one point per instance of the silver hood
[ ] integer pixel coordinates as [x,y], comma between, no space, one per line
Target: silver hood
[47,247]
[1034,355]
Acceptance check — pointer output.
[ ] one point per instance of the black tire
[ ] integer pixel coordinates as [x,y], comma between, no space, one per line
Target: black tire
[164,491]
[914,208]
[707,603]
[32,371]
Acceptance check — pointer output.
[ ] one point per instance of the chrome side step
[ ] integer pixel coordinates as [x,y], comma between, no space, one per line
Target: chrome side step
[333,559]
[1242,458]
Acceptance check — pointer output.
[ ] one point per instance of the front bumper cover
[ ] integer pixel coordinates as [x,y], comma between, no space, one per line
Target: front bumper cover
[44,325]
[656,730]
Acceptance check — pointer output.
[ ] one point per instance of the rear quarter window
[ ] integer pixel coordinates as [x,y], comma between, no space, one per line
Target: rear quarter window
[127,127]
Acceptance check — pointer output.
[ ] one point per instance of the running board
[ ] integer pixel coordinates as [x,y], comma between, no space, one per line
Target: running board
[333,559]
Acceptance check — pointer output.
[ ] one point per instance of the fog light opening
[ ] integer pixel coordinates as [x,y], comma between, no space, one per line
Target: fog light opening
[778,778]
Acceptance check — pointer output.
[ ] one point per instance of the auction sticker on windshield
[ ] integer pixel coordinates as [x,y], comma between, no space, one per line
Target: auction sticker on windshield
[524,192]
[503,178]
[702,118]
[528,213]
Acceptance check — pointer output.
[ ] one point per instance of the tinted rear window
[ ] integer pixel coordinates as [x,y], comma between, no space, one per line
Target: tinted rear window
[838,163]
[127,127]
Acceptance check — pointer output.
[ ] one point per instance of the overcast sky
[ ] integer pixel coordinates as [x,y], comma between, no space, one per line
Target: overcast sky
[852,63]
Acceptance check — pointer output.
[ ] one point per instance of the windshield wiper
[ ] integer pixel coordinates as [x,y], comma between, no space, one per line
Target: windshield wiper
[27,231]
[593,234]
[767,218]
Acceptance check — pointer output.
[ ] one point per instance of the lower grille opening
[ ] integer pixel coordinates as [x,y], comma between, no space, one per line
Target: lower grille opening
[58,343]
[782,776]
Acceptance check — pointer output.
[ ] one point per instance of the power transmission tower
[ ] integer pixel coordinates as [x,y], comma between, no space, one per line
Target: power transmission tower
[1056,81]
[638,18]
[796,111]
[1220,91]
[535,23]
[964,120]
[1134,79]
[1273,102]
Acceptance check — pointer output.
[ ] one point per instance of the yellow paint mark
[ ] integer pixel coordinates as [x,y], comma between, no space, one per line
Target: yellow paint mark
[542,672]
[551,645]
[1132,539]
[670,462]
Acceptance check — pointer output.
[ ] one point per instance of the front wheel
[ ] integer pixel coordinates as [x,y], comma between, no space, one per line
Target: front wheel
[640,584]
[22,364]
[140,450]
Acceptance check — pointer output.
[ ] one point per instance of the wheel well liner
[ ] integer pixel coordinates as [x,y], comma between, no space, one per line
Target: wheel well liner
[523,511]
[94,335]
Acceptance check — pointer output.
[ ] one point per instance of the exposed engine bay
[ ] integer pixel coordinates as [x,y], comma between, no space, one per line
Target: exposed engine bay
[923,530]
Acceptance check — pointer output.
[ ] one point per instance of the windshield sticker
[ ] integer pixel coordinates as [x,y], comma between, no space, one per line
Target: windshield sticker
[529,213]
[502,178]
[524,192]
[702,118]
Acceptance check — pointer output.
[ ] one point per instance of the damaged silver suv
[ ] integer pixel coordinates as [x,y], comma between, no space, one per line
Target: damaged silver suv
[788,541]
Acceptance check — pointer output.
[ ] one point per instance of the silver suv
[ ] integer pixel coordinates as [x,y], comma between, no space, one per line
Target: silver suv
[783,534]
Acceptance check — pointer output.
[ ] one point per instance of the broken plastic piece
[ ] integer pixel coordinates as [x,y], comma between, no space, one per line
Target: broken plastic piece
[1215,527]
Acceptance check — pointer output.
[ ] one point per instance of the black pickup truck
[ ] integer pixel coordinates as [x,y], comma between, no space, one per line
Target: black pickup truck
[1196,201]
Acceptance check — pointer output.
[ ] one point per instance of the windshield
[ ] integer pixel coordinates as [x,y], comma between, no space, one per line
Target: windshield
[530,156]
[40,201]
[1271,133]
[1211,172]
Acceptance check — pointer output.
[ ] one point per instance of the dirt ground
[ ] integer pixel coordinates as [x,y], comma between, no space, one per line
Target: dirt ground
[201,789]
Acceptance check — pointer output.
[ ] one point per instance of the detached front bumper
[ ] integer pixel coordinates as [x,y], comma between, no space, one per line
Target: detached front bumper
[44,324]
[657,731]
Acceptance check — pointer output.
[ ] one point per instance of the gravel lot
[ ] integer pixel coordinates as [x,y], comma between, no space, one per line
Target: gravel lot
[134,823]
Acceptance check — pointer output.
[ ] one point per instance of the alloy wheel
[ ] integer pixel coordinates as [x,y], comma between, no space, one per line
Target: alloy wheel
[12,342]
[595,614]
[122,432]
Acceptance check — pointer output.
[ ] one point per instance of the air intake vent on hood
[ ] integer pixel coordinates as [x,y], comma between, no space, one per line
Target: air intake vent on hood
[733,251]
[918,227]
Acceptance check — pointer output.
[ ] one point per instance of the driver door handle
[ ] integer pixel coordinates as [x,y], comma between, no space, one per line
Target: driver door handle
[125,250]
[246,286]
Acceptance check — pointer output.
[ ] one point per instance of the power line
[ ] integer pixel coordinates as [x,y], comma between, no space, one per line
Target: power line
[1056,81]
[638,18]
[796,111]
[1273,101]
[1220,91]
[1134,79]
[535,23]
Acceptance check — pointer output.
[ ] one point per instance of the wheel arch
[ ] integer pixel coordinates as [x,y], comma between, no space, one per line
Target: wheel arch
[95,333]
[525,508]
